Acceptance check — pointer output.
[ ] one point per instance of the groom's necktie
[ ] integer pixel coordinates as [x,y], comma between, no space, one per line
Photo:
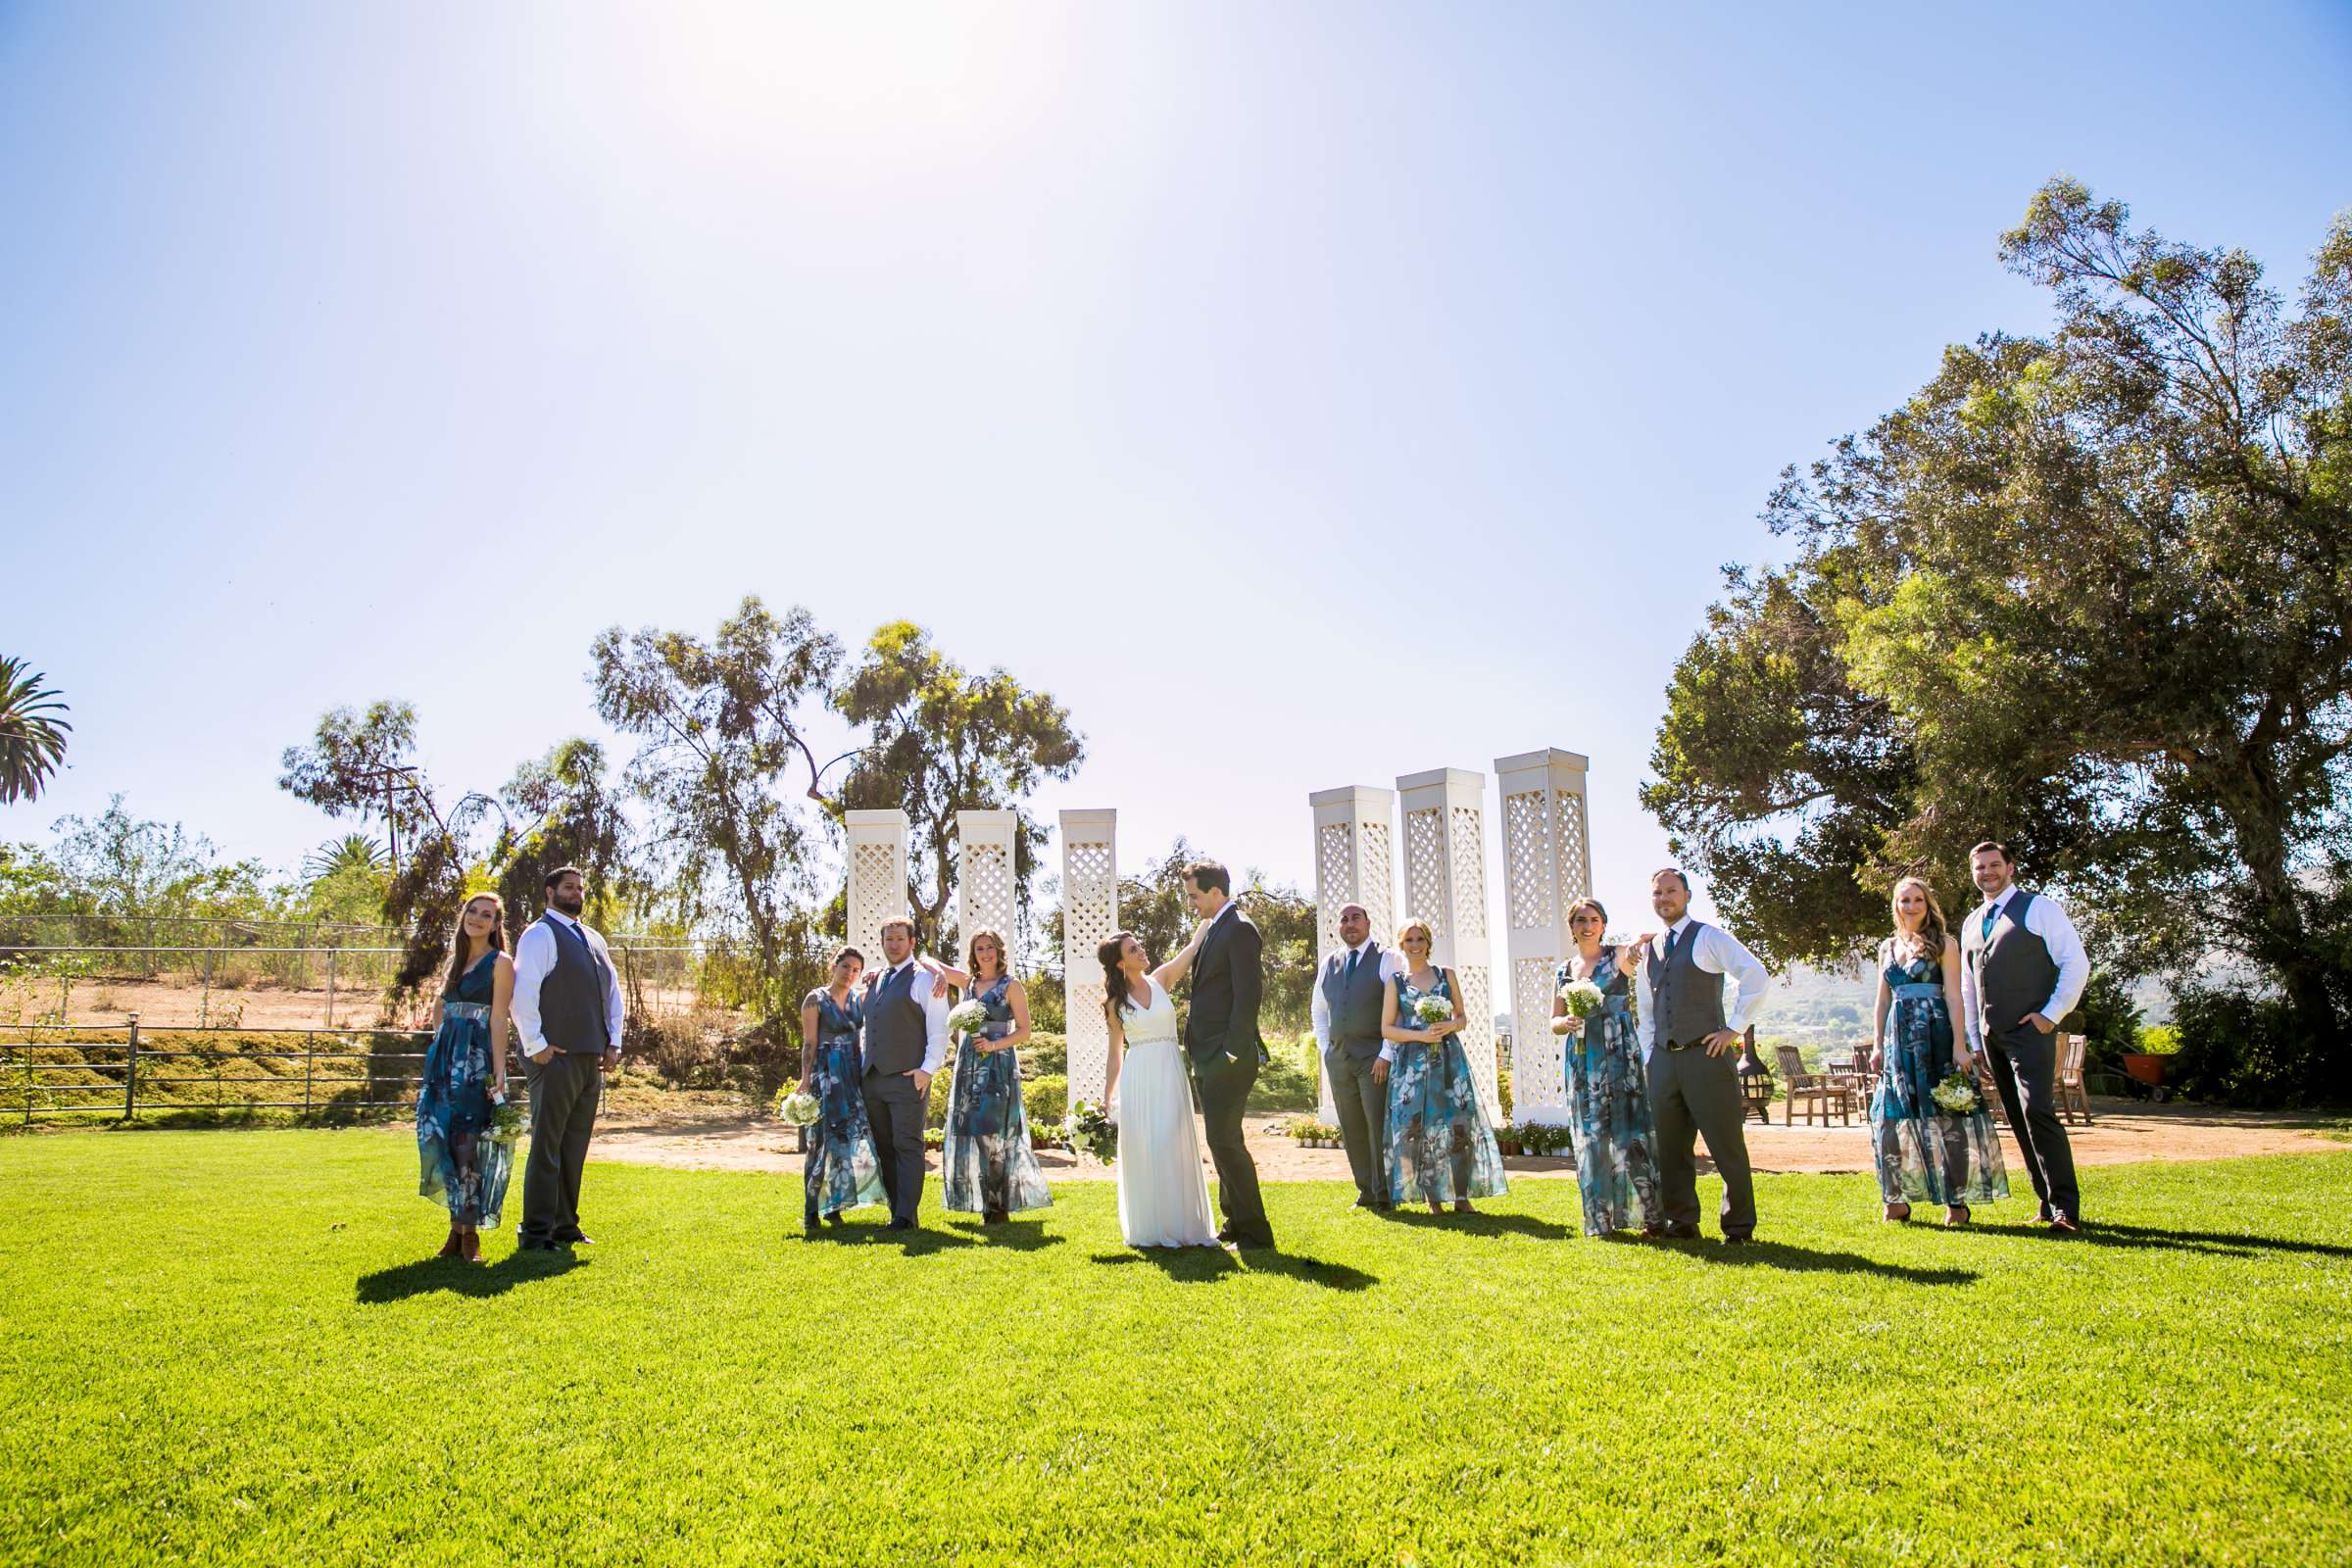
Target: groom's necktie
[1993,912]
[1354,953]
[1666,957]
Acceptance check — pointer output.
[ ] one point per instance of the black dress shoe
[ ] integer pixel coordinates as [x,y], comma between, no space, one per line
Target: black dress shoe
[1737,1240]
[902,1224]
[576,1239]
[1228,1235]
[837,1218]
[1681,1233]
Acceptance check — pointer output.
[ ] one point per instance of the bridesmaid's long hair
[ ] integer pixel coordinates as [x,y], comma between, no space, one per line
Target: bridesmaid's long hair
[1115,981]
[1931,930]
[457,945]
[971,956]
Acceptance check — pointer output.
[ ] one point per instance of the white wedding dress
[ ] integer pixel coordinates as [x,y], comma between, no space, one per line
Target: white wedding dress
[1163,1196]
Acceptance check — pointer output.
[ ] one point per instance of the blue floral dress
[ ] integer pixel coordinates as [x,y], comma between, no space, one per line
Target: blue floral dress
[840,1170]
[1924,1153]
[1608,1098]
[1440,1147]
[458,1161]
[988,1167]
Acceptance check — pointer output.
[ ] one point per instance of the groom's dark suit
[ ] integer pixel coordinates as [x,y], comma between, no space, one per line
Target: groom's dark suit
[1220,1036]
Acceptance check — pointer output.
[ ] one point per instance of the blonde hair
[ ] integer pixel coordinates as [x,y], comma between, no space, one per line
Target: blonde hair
[1932,928]
[1413,922]
[972,955]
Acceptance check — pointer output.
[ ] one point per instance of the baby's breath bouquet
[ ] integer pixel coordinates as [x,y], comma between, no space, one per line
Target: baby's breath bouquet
[1957,1096]
[1434,1011]
[969,1018]
[508,1124]
[796,1106]
[1583,996]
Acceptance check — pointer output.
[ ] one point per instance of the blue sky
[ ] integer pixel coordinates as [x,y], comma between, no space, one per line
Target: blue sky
[1304,394]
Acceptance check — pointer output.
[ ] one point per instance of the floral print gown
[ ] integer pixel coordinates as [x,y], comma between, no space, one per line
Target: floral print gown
[1924,1153]
[988,1167]
[1609,1100]
[458,1161]
[840,1170]
[1441,1146]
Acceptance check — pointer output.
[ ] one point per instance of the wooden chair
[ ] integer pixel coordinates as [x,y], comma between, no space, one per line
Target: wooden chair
[1819,1091]
[2074,1100]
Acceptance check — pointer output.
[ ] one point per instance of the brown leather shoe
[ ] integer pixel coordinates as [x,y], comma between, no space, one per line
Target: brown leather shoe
[2060,1225]
[472,1243]
[450,1248]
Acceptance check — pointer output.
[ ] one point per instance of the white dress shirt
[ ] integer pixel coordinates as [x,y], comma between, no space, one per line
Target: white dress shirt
[2046,920]
[534,957]
[929,996]
[1392,964]
[1717,952]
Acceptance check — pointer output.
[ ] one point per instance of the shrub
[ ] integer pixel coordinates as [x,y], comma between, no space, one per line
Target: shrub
[2243,1049]
[935,1113]
[1046,1100]
[2107,1018]
[1047,1052]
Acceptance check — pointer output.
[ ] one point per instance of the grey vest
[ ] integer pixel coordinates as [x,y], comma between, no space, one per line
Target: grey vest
[2015,973]
[571,999]
[1688,1000]
[1355,1004]
[895,1026]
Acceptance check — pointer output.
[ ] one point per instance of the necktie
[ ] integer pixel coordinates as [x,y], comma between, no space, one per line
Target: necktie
[1354,953]
[1667,956]
[1993,912]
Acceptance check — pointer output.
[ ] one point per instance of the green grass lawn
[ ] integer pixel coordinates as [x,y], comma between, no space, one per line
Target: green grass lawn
[228,1346]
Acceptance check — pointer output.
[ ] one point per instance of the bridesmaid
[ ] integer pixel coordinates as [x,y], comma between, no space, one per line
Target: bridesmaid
[1922,1149]
[842,1170]
[464,1077]
[1608,1096]
[989,1167]
[1440,1147]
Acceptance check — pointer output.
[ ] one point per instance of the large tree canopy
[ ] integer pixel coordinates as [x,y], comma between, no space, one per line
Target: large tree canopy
[2086,592]
[944,741]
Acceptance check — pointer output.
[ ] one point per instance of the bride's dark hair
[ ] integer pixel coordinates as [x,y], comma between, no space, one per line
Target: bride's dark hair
[1115,983]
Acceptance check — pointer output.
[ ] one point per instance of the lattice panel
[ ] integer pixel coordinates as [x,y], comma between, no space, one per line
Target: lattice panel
[1538,1074]
[989,881]
[1470,870]
[1478,1035]
[1090,913]
[1379,876]
[1335,881]
[1526,862]
[877,893]
[1575,856]
[1425,867]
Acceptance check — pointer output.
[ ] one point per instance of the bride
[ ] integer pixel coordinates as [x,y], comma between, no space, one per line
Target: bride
[1163,1198]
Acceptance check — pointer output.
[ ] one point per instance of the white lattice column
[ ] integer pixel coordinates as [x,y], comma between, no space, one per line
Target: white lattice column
[984,879]
[1090,913]
[1356,863]
[877,877]
[1546,866]
[1445,884]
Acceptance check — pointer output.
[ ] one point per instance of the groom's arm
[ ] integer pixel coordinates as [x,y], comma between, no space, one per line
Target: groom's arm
[1249,978]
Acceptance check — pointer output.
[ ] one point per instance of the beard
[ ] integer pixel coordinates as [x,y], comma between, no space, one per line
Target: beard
[571,904]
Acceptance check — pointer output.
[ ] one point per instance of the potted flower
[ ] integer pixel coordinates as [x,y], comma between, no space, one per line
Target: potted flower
[2147,1064]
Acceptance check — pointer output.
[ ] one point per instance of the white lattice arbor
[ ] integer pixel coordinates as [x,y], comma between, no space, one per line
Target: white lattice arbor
[1356,863]
[984,878]
[877,877]
[1445,884]
[1546,866]
[1090,913]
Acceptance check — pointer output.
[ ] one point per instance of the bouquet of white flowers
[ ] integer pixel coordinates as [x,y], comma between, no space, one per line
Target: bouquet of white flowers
[969,1018]
[508,1124]
[1957,1096]
[1583,996]
[1087,1128]
[797,1107]
[1434,1011]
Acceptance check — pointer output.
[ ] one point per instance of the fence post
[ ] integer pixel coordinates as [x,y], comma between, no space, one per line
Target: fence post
[130,1072]
[330,988]
[310,1054]
[204,1010]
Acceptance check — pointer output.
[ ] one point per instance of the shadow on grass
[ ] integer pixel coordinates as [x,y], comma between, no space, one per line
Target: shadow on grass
[2151,1237]
[920,1242]
[1207,1264]
[1792,1259]
[427,1275]
[1012,1235]
[1483,1224]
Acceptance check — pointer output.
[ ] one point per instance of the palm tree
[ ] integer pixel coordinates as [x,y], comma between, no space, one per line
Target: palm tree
[31,744]
[351,850]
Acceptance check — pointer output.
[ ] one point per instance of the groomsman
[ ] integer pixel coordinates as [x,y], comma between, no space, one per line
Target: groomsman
[1355,1059]
[906,1042]
[1688,1045]
[568,1009]
[2022,969]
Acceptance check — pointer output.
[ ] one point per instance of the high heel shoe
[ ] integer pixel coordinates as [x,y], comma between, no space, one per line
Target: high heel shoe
[1897,1214]
[450,1248]
[1956,1216]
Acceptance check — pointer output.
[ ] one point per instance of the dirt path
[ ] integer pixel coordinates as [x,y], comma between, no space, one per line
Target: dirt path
[2121,1132]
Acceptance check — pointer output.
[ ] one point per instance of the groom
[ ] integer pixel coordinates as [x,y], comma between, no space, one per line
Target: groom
[1220,1036]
